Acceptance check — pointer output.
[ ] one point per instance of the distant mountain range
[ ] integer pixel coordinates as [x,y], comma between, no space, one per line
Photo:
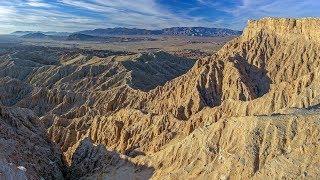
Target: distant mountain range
[119,31]
[71,37]
[49,33]
[40,35]
[174,31]
[199,31]
[83,37]
[36,35]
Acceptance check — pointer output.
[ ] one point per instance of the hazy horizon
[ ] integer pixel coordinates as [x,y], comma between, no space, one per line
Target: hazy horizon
[72,16]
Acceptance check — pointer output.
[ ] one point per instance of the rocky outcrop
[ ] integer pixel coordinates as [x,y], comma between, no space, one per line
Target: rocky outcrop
[10,171]
[284,28]
[95,162]
[25,149]
[13,90]
[128,131]
[261,147]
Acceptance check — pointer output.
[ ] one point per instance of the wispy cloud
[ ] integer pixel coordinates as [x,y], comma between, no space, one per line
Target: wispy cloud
[141,13]
[70,15]
[74,15]
[239,13]
[39,15]
[5,11]
[38,3]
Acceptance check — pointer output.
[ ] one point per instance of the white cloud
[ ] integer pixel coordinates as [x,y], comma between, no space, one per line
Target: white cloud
[256,9]
[5,11]
[141,13]
[38,3]
[24,17]
[44,16]
[75,15]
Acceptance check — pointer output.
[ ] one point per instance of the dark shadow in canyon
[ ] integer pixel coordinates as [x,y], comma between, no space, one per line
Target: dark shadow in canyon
[150,70]
[90,159]
[255,77]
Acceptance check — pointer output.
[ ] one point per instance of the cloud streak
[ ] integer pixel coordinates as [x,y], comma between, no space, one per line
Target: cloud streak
[141,13]
[256,9]
[71,15]
[38,3]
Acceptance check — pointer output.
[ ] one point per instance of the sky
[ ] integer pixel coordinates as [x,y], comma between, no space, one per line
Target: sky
[76,15]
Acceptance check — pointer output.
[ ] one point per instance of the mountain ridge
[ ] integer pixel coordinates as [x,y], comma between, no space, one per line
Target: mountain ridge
[52,33]
[173,31]
[37,35]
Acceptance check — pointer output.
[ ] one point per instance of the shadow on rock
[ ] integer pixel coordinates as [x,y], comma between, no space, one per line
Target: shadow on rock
[91,161]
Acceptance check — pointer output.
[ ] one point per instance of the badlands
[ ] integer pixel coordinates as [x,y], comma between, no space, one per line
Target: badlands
[249,111]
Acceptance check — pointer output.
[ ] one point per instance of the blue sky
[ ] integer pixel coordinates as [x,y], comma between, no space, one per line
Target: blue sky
[75,15]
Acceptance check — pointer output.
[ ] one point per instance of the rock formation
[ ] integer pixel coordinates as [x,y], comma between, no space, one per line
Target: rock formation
[250,111]
[25,150]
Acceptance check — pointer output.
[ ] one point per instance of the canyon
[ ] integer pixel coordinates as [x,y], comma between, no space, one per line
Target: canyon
[249,111]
